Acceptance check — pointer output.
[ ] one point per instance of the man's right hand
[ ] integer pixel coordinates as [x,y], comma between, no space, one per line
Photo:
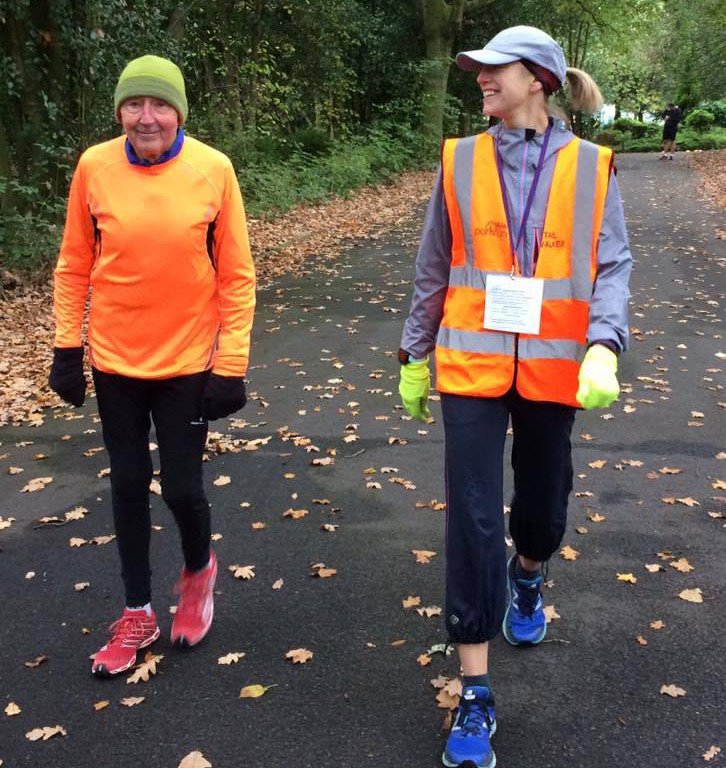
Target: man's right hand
[414,389]
[66,375]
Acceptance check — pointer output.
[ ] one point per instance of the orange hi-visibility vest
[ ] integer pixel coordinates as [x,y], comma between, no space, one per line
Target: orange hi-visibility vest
[483,363]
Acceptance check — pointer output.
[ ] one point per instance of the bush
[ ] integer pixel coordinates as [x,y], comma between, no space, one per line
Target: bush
[312,141]
[717,109]
[634,128]
[700,120]
[609,137]
[31,229]
[271,186]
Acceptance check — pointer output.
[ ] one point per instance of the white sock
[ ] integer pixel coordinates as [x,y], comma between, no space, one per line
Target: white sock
[146,608]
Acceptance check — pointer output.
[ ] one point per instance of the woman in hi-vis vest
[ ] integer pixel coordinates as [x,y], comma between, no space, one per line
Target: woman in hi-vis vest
[521,288]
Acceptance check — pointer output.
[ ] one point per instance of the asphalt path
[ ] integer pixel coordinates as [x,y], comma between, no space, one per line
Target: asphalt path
[324,368]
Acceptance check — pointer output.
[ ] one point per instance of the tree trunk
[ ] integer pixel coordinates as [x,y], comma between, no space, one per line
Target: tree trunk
[440,24]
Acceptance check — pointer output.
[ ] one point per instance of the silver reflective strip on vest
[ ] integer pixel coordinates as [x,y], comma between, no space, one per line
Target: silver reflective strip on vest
[484,342]
[551,349]
[471,277]
[463,180]
[587,160]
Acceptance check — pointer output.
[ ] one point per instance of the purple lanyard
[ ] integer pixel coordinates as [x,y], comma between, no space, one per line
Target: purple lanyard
[530,198]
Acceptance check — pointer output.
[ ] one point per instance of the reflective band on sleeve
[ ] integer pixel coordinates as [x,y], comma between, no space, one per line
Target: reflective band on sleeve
[476,341]
[553,349]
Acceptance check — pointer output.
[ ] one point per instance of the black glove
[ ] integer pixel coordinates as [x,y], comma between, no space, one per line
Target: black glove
[222,396]
[66,375]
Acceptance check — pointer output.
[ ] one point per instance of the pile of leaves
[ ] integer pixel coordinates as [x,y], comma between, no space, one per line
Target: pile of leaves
[711,167]
[305,238]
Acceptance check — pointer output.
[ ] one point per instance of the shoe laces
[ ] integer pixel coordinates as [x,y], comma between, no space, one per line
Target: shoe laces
[473,716]
[528,593]
[127,628]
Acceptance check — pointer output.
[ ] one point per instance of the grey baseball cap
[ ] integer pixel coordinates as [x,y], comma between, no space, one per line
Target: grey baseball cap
[517,43]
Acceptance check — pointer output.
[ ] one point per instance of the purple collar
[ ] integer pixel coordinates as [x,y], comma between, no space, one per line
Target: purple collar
[170,153]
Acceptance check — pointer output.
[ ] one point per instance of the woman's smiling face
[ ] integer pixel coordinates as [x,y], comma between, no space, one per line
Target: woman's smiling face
[150,124]
[507,89]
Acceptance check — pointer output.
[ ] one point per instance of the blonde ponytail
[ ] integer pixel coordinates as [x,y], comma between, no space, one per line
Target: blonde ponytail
[584,94]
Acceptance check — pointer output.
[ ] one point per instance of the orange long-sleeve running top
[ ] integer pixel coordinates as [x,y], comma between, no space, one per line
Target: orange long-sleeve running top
[165,253]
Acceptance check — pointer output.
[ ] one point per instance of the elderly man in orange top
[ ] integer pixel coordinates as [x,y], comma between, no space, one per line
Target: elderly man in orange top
[156,230]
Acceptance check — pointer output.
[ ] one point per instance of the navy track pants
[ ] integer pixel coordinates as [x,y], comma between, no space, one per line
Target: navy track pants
[475,430]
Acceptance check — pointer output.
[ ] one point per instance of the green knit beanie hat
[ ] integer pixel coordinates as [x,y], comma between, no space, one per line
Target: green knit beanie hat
[153,76]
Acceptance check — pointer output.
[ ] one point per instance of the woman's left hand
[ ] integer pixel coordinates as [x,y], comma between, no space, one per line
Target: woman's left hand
[223,396]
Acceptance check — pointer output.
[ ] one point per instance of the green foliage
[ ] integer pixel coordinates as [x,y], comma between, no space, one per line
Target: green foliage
[688,139]
[275,186]
[609,137]
[635,128]
[700,120]
[717,109]
[31,230]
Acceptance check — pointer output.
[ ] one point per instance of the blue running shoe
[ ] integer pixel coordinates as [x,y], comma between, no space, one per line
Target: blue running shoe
[468,743]
[524,621]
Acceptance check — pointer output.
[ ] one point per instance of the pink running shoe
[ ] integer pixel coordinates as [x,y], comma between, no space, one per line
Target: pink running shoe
[133,631]
[195,611]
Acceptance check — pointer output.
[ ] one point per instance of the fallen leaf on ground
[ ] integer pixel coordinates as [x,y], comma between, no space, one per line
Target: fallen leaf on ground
[627,577]
[296,514]
[711,752]
[81,585]
[253,691]
[688,501]
[641,640]
[672,690]
[411,601]
[299,655]
[242,571]
[670,471]
[568,553]
[681,565]
[146,669]
[429,611]
[598,464]
[653,567]
[132,701]
[424,660]
[691,595]
[46,733]
[99,705]
[657,624]
[231,658]
[155,487]
[6,522]
[195,760]
[322,571]
[12,709]
[36,484]
[329,527]
[550,613]
[36,662]
[222,480]
[423,555]
[278,584]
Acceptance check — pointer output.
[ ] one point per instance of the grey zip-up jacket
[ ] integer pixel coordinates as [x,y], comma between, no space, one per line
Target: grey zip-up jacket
[609,303]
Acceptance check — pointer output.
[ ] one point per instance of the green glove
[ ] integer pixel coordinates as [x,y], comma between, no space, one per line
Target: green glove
[414,389]
[599,386]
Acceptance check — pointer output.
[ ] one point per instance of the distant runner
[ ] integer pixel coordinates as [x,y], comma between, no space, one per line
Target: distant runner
[672,116]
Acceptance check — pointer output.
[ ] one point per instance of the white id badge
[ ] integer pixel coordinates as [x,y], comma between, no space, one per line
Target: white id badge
[513,304]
